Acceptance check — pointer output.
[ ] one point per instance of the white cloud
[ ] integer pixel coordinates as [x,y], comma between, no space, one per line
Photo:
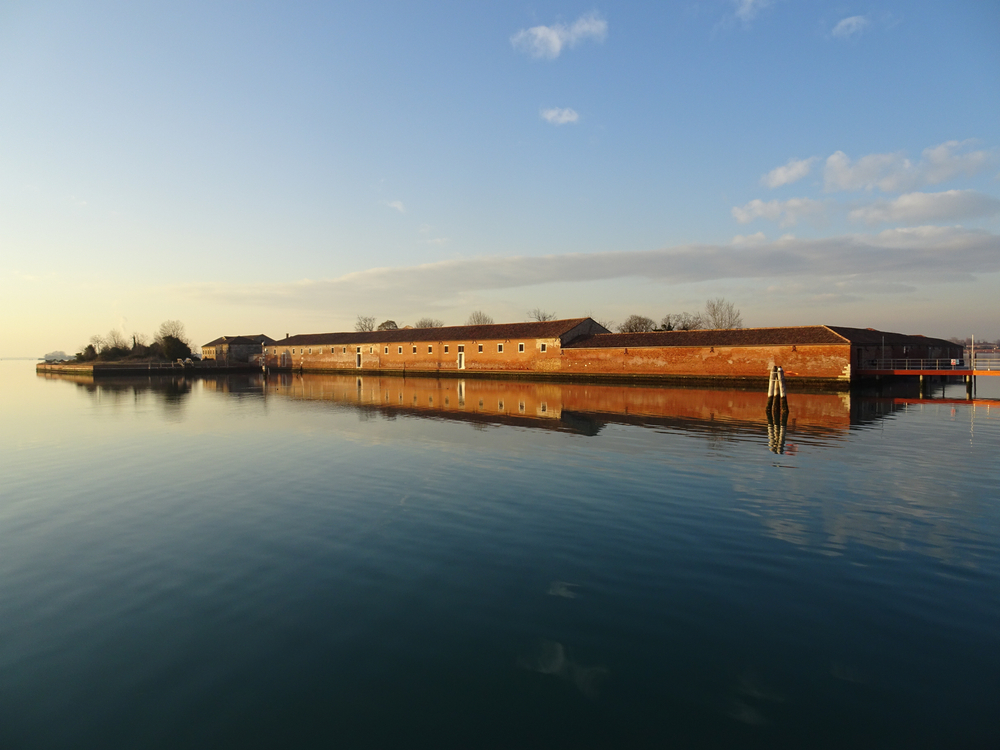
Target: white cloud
[920,208]
[850,26]
[398,205]
[786,213]
[791,172]
[929,254]
[893,173]
[749,239]
[549,41]
[747,10]
[559,116]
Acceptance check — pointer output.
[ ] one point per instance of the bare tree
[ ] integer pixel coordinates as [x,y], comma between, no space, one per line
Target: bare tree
[428,323]
[479,318]
[540,315]
[387,325]
[606,323]
[365,323]
[172,328]
[637,324]
[98,342]
[720,313]
[117,340]
[684,321]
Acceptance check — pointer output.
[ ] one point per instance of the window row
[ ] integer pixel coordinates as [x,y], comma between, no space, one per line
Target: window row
[399,350]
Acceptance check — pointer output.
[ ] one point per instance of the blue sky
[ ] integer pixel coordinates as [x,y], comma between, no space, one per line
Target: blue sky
[263,167]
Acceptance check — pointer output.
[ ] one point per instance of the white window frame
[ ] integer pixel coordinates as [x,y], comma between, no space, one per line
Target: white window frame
[520,348]
[499,348]
[544,348]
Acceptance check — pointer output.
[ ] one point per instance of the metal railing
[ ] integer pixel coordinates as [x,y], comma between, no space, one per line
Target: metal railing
[916,364]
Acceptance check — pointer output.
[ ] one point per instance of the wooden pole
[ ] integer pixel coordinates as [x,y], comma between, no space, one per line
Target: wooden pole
[771,387]
[781,391]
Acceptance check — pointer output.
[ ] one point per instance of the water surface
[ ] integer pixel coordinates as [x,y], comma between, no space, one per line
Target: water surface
[379,562]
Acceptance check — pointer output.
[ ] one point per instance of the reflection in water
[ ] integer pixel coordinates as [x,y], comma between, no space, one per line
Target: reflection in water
[583,409]
[550,658]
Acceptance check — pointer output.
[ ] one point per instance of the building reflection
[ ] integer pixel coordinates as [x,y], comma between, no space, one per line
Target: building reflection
[581,408]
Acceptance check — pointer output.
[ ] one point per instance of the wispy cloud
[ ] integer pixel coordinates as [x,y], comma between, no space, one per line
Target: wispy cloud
[893,173]
[549,41]
[786,213]
[791,172]
[749,239]
[398,205]
[907,255]
[850,26]
[560,116]
[747,10]
[921,208]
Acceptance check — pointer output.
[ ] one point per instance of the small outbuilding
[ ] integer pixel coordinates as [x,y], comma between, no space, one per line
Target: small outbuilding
[236,349]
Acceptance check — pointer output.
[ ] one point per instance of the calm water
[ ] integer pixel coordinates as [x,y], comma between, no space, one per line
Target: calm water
[333,562]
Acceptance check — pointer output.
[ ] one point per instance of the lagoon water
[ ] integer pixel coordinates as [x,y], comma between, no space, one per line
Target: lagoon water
[332,561]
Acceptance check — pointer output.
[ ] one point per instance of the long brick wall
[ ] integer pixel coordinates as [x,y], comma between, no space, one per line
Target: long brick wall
[823,362]
[818,362]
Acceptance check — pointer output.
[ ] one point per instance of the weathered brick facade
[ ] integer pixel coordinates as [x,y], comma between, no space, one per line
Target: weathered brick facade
[581,348]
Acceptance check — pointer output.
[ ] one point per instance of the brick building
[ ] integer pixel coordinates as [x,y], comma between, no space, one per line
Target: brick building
[502,348]
[581,347]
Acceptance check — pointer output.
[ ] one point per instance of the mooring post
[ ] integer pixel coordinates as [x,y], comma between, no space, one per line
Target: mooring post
[771,387]
[781,391]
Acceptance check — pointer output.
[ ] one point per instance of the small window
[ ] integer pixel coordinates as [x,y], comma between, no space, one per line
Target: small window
[545,407]
[333,350]
[371,349]
[461,347]
[430,349]
[480,348]
[359,350]
[310,350]
[499,348]
[399,350]
[387,350]
[543,348]
[445,348]
[344,351]
[500,405]
[414,350]
[520,348]
[520,406]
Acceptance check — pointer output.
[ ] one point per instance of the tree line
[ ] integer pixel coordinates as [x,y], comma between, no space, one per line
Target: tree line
[718,313]
[169,343]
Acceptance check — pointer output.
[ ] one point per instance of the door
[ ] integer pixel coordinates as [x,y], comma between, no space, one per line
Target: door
[461,360]
[359,359]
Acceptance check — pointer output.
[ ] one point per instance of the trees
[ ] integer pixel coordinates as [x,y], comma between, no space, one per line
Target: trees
[540,315]
[606,323]
[365,323]
[721,313]
[479,318]
[172,328]
[428,323]
[684,321]
[637,324]
[387,325]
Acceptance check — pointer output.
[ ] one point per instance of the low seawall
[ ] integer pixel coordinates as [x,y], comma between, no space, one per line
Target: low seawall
[115,369]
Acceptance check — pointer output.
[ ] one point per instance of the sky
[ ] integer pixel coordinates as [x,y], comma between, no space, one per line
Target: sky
[251,167]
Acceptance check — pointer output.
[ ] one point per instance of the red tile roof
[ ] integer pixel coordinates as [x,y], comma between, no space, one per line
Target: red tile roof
[722,337]
[551,329]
